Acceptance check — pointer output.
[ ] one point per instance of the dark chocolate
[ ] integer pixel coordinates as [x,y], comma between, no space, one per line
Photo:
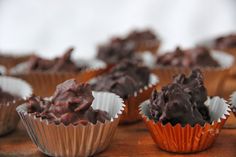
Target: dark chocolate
[225,42]
[181,101]
[70,104]
[59,64]
[195,57]
[119,48]
[124,79]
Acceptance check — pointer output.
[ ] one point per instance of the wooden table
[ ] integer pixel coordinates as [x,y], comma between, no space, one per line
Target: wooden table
[130,140]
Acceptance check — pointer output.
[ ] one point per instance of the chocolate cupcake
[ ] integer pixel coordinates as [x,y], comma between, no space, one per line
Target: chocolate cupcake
[81,121]
[132,82]
[13,92]
[182,118]
[213,65]
[119,48]
[45,74]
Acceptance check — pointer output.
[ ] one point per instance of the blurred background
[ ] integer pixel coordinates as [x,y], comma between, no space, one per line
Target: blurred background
[50,26]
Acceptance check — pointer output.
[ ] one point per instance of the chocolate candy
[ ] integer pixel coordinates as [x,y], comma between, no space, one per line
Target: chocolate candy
[62,64]
[196,57]
[225,42]
[181,101]
[70,104]
[124,48]
[124,79]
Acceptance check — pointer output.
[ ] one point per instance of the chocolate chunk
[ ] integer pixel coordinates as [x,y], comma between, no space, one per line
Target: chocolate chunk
[120,48]
[124,79]
[225,42]
[62,64]
[6,97]
[196,57]
[181,101]
[70,104]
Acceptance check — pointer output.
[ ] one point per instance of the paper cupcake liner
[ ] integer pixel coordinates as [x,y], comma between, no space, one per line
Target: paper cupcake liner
[44,83]
[10,61]
[8,115]
[79,140]
[188,139]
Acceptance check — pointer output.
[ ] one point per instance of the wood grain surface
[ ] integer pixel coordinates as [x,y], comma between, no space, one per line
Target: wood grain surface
[129,141]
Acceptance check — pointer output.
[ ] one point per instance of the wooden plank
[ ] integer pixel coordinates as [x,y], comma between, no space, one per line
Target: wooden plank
[130,140]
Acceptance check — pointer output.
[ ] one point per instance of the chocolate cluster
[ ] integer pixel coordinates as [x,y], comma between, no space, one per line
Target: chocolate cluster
[196,57]
[124,48]
[6,97]
[225,42]
[70,104]
[124,79]
[181,101]
[59,64]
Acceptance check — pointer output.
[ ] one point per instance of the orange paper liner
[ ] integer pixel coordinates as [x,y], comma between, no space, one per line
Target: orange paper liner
[8,115]
[185,139]
[79,140]
[44,83]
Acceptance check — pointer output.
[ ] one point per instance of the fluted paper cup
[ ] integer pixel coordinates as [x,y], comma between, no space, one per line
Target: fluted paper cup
[8,115]
[74,141]
[44,83]
[213,77]
[131,112]
[188,139]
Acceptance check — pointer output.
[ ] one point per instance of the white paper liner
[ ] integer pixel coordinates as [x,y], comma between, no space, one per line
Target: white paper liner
[218,109]
[79,140]
[3,70]
[8,115]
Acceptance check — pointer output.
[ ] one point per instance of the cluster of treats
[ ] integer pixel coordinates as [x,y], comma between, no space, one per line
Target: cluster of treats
[182,101]
[225,42]
[6,97]
[70,104]
[59,64]
[124,48]
[195,57]
[124,79]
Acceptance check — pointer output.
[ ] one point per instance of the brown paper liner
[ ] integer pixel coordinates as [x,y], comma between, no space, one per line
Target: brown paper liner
[8,115]
[233,103]
[10,61]
[44,83]
[213,77]
[185,139]
[79,140]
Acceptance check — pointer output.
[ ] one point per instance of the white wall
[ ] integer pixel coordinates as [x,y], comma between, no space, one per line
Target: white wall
[50,26]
